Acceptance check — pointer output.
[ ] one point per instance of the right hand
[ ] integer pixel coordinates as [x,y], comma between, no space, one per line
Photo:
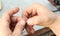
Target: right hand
[37,14]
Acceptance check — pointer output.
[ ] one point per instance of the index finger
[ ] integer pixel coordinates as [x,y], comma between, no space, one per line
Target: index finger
[10,13]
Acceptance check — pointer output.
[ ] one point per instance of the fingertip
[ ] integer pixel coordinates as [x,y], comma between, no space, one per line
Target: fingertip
[30,29]
[16,9]
[22,22]
[11,12]
[29,22]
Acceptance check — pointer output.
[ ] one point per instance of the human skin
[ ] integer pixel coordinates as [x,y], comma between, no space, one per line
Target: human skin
[7,19]
[38,14]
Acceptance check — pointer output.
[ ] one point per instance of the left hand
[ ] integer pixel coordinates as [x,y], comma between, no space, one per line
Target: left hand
[11,25]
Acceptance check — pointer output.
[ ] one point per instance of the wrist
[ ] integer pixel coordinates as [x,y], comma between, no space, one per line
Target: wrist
[55,26]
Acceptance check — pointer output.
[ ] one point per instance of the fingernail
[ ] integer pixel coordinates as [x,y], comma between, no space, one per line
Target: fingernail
[22,22]
[29,22]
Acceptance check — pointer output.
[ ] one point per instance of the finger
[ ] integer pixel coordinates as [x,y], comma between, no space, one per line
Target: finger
[29,29]
[15,19]
[13,23]
[29,12]
[9,13]
[26,13]
[19,28]
[34,20]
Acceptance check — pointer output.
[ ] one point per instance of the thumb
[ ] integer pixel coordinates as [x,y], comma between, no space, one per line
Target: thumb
[19,28]
[36,20]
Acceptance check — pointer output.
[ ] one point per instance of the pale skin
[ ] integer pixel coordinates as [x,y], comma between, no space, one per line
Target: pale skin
[35,14]
[8,18]
[38,14]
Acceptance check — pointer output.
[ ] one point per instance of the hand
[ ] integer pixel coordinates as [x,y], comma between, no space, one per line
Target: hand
[11,25]
[37,14]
